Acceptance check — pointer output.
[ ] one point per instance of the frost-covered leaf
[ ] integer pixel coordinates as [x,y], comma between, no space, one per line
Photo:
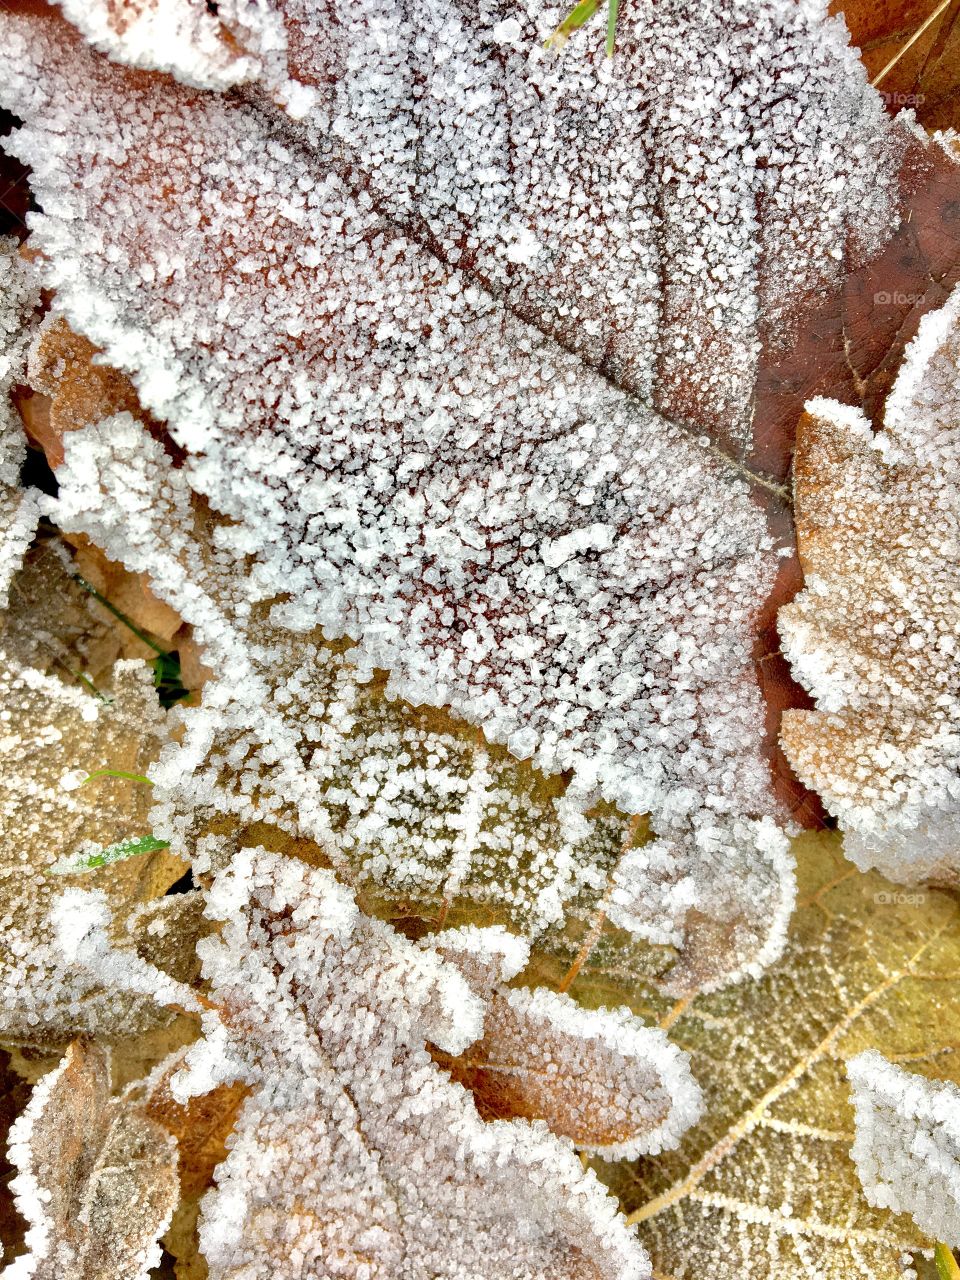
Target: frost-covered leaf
[52,735]
[907,1148]
[765,1185]
[97,1177]
[353,1150]
[408,421]
[875,634]
[19,298]
[409,805]
[600,1077]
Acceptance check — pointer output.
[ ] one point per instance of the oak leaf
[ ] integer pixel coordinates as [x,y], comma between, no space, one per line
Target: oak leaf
[875,634]
[600,1077]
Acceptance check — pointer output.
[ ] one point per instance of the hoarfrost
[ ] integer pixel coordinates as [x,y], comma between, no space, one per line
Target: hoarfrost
[907,1146]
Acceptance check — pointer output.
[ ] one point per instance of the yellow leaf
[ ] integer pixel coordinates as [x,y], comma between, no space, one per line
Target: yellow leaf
[765,1186]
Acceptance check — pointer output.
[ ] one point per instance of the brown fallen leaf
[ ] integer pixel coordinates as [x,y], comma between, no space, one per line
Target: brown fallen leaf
[911,49]
[97,1178]
[599,1077]
[875,633]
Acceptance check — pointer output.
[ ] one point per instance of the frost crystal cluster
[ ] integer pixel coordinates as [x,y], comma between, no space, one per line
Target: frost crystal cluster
[907,1148]
[19,296]
[876,634]
[354,1154]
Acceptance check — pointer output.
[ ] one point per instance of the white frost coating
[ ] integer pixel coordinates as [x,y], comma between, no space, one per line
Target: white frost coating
[178,36]
[97,1178]
[680,197]
[630,665]
[328,1159]
[875,635]
[907,1145]
[19,297]
[486,956]
[81,920]
[46,727]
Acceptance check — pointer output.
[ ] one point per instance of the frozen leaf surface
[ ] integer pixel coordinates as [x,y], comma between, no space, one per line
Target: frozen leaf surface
[764,1186]
[385,379]
[97,1178]
[353,1150]
[907,1148]
[875,634]
[294,734]
[600,1077]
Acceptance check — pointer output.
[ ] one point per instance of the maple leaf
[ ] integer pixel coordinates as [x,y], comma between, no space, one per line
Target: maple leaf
[907,1148]
[97,1177]
[874,635]
[645,752]
[765,1186]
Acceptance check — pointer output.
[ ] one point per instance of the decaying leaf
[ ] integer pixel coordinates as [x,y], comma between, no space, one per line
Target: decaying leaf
[294,734]
[97,1178]
[52,736]
[599,1077]
[875,635]
[907,1148]
[19,512]
[765,1185]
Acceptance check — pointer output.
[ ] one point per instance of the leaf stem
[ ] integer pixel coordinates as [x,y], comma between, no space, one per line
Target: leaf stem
[944,4]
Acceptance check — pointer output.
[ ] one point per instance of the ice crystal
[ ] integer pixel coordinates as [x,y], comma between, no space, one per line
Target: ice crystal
[96,1181]
[291,733]
[907,1147]
[19,297]
[493,522]
[875,634]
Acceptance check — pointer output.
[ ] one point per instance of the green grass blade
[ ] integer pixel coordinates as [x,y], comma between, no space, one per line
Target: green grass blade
[947,1268]
[614,5]
[112,853]
[117,773]
[574,20]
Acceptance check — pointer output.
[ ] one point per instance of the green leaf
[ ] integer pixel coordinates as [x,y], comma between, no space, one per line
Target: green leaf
[112,853]
[947,1268]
